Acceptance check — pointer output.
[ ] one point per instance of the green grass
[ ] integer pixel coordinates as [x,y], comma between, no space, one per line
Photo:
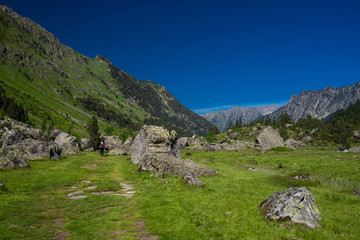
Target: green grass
[227,207]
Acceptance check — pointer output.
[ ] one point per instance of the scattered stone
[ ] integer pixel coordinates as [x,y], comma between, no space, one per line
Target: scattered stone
[192,180]
[303,177]
[253,161]
[159,175]
[251,168]
[78,197]
[74,193]
[103,192]
[229,213]
[124,195]
[294,204]
[291,143]
[268,138]
[91,187]
[188,154]
[85,181]
[357,191]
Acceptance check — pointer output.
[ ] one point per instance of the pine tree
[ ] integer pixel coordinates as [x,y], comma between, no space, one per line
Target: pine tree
[94,134]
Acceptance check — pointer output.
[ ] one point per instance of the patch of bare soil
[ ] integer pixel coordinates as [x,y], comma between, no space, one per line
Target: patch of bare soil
[143,233]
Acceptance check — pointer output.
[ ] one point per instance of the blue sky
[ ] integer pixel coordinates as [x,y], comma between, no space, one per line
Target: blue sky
[213,55]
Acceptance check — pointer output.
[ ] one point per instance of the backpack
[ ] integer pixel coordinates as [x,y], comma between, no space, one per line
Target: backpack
[102,146]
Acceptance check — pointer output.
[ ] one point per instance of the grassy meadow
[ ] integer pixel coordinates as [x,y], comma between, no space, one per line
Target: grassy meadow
[35,204]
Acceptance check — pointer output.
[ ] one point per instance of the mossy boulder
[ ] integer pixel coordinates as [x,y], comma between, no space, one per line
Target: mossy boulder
[17,158]
[295,204]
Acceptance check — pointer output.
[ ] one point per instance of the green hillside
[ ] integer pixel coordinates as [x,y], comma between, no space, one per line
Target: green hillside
[58,85]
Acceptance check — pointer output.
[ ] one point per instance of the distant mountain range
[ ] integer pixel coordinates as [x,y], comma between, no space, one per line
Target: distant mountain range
[58,85]
[221,119]
[319,103]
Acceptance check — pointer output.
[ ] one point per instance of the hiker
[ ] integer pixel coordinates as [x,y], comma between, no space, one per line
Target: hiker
[102,148]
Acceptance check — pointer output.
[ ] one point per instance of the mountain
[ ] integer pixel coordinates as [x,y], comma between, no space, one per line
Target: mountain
[319,103]
[62,87]
[221,119]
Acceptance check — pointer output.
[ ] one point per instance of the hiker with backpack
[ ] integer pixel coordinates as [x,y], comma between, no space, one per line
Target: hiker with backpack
[102,148]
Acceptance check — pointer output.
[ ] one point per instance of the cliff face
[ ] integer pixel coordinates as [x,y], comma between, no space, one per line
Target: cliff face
[320,103]
[52,81]
[221,119]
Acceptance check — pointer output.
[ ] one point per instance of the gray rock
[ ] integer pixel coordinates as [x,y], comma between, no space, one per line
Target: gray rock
[354,149]
[127,144]
[172,165]
[153,140]
[35,149]
[306,139]
[192,180]
[357,134]
[182,143]
[294,204]
[84,142]
[112,142]
[268,138]
[69,144]
[14,159]
[291,143]
[154,149]
[11,137]
[117,151]
[236,145]
[212,147]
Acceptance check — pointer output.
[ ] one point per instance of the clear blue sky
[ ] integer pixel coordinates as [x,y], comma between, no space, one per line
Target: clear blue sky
[214,54]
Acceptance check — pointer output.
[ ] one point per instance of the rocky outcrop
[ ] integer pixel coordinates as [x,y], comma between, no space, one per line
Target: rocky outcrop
[153,140]
[212,147]
[154,149]
[68,143]
[112,142]
[11,137]
[236,145]
[84,142]
[353,149]
[319,103]
[291,143]
[14,159]
[127,144]
[295,204]
[269,138]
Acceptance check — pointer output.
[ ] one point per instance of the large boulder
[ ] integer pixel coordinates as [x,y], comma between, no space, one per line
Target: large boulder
[84,143]
[69,144]
[153,140]
[154,149]
[118,151]
[169,164]
[294,204]
[112,142]
[35,149]
[357,134]
[268,138]
[291,143]
[16,158]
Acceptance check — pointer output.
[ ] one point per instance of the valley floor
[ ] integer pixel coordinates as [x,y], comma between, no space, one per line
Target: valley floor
[93,197]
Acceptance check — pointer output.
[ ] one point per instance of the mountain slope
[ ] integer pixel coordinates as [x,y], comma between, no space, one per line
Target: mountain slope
[221,119]
[59,85]
[319,103]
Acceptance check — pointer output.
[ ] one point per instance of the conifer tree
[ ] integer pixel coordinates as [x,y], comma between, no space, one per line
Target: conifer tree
[94,134]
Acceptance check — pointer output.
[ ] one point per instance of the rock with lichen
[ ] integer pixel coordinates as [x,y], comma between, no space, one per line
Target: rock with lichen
[295,204]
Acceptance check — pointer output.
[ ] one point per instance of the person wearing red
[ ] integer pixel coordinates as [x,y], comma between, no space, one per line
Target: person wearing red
[102,148]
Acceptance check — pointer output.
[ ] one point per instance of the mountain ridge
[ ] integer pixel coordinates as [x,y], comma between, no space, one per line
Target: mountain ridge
[41,73]
[319,103]
[221,119]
